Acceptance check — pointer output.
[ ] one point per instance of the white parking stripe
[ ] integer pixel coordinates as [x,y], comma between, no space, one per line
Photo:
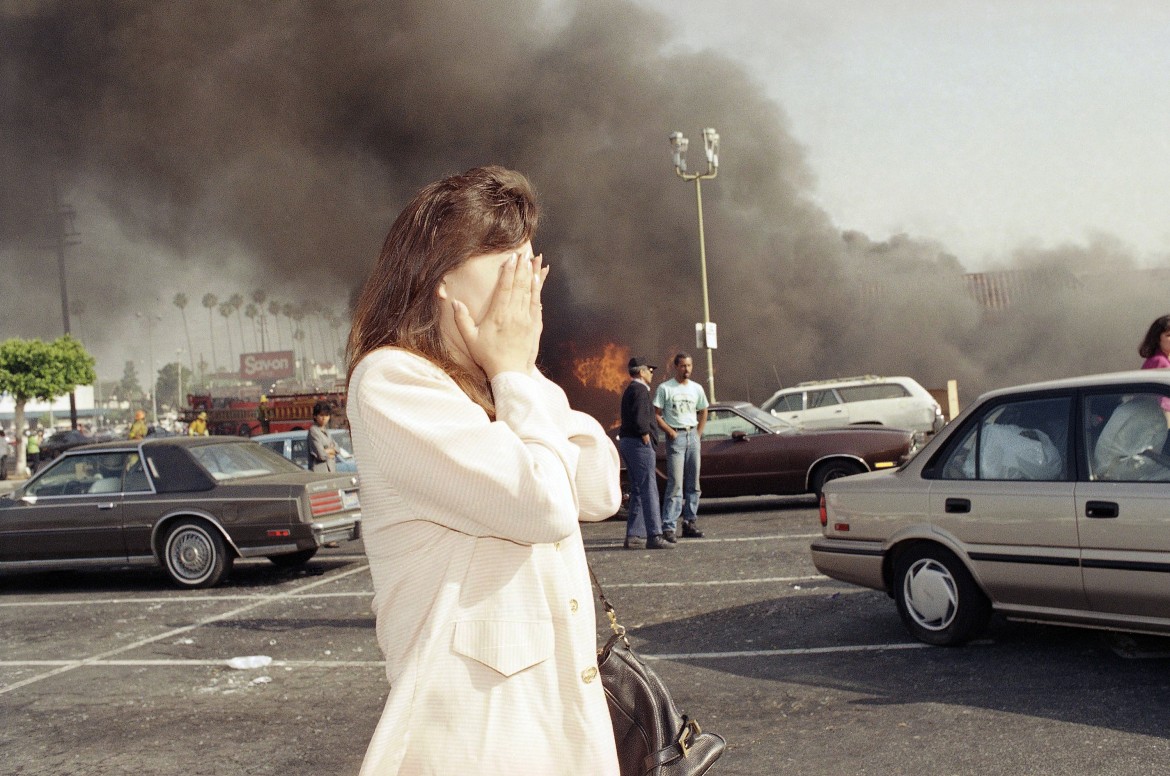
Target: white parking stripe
[181,599]
[796,652]
[783,652]
[176,631]
[715,582]
[716,540]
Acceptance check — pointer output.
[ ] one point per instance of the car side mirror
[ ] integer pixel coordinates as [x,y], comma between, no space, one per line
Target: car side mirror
[29,499]
[740,436]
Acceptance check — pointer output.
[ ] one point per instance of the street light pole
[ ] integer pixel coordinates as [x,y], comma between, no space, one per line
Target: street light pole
[711,146]
[149,321]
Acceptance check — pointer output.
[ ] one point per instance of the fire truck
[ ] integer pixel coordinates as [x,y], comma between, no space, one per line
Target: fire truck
[241,416]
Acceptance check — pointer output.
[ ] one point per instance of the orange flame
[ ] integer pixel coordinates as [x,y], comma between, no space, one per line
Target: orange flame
[608,371]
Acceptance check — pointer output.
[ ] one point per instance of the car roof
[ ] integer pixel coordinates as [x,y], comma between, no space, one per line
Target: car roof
[279,435]
[172,441]
[841,382]
[1086,381]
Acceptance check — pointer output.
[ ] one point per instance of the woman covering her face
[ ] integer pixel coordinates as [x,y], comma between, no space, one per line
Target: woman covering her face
[475,472]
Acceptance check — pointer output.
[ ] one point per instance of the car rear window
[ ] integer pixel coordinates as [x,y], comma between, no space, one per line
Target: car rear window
[873,392]
[233,461]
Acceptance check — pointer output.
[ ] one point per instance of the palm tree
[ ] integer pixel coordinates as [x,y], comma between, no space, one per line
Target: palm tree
[210,301]
[180,301]
[335,324]
[259,296]
[237,301]
[287,309]
[250,312]
[226,309]
[274,310]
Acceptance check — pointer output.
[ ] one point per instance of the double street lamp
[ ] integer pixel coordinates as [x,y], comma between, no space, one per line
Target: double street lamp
[679,143]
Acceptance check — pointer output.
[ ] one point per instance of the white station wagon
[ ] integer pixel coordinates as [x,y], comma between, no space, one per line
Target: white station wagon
[1045,502]
[898,402]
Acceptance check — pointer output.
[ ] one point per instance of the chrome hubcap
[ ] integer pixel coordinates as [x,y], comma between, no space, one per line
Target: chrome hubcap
[191,554]
[931,594]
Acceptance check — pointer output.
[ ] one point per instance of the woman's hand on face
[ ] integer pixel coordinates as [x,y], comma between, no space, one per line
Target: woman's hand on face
[508,337]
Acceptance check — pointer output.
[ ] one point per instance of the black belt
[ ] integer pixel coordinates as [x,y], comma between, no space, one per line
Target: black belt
[684,428]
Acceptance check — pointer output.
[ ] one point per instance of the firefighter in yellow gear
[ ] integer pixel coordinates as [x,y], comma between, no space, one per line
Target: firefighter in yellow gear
[138,427]
[262,414]
[198,426]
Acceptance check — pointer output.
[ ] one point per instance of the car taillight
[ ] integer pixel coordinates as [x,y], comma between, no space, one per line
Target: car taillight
[325,503]
[824,513]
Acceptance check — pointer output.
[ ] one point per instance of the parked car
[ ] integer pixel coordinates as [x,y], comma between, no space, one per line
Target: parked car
[189,504]
[748,452]
[1044,502]
[60,441]
[294,446]
[899,402]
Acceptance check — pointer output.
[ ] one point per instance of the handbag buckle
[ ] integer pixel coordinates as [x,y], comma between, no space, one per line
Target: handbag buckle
[686,736]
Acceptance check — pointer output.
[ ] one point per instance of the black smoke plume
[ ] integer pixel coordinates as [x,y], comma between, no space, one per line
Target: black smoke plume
[223,146]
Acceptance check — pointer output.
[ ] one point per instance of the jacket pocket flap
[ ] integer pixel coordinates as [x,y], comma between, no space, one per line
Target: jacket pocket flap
[503,646]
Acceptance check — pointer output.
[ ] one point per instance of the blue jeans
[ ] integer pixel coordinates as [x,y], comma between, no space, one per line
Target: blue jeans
[642,516]
[682,480]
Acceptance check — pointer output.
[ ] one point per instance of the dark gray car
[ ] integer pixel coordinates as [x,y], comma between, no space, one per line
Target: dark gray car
[189,504]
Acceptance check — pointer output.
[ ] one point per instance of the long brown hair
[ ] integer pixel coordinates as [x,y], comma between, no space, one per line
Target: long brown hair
[484,210]
[1151,342]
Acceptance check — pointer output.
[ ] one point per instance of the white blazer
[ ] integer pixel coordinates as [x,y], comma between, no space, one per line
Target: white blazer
[482,595]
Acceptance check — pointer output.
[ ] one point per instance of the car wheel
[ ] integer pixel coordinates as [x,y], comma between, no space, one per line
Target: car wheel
[293,559]
[832,470]
[937,598]
[245,430]
[194,554]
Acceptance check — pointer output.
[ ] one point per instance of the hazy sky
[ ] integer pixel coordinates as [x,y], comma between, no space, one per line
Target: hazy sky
[984,125]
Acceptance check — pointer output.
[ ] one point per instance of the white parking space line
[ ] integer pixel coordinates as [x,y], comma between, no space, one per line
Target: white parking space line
[715,582]
[715,539]
[784,652]
[747,653]
[71,665]
[181,599]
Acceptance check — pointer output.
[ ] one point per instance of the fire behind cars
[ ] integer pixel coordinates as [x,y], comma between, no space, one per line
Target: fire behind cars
[191,505]
[1043,502]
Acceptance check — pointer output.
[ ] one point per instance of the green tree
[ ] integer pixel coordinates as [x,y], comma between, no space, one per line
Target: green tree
[32,369]
[172,382]
[129,388]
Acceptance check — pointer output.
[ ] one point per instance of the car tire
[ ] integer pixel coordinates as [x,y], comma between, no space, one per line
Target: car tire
[832,470]
[937,598]
[194,554]
[245,430]
[293,559]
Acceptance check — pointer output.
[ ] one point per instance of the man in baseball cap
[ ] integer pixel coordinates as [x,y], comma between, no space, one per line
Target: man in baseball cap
[637,438]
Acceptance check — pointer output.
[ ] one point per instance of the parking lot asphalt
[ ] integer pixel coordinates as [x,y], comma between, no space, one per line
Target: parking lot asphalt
[117,672]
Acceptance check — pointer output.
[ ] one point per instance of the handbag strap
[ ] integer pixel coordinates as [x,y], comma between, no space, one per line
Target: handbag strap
[610,612]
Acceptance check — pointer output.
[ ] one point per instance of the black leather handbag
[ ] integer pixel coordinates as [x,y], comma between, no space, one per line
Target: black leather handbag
[653,737]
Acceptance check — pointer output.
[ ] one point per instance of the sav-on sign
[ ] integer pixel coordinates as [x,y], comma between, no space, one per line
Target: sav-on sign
[267,366]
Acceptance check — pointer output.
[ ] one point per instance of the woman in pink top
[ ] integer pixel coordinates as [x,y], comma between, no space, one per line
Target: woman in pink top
[1155,347]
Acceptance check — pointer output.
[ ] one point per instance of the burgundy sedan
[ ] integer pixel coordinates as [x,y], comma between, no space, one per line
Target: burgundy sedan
[749,452]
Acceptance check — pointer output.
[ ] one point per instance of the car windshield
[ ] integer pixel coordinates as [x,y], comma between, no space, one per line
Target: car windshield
[768,420]
[237,460]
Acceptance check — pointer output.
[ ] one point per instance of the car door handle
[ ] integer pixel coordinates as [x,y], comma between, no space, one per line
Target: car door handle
[109,505]
[1101,509]
[957,506]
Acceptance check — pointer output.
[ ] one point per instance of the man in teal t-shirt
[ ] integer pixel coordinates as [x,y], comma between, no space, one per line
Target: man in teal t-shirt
[681,408]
